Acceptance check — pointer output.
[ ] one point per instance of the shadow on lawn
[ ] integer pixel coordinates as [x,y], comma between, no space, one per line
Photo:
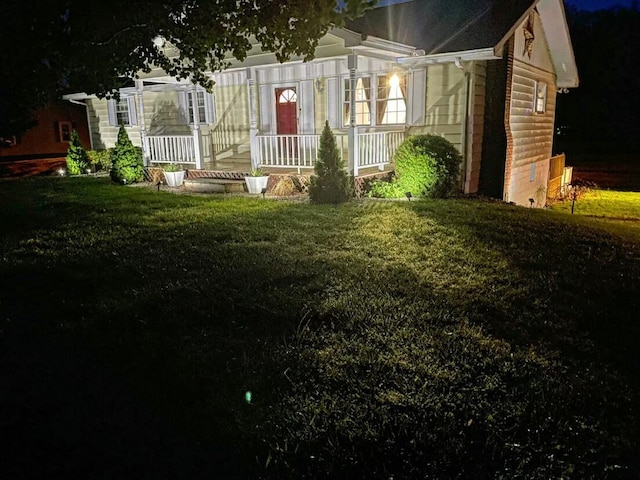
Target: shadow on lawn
[136,363]
[581,290]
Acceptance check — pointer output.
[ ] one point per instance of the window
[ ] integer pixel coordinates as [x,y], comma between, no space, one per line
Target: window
[64,131]
[540,98]
[8,141]
[122,111]
[389,99]
[200,105]
[204,106]
[363,101]
[391,106]
[288,96]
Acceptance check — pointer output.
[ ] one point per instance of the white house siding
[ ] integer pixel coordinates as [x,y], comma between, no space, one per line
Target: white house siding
[104,135]
[162,114]
[231,130]
[532,132]
[445,103]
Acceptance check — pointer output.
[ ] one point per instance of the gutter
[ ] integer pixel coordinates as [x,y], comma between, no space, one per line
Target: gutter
[464,56]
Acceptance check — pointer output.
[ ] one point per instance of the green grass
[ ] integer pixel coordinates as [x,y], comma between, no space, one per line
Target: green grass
[606,204]
[609,208]
[431,339]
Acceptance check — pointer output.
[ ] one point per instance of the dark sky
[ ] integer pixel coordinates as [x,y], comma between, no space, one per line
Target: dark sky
[581,4]
[599,4]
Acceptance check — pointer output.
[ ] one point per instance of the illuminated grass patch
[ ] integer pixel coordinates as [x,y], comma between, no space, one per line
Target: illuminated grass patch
[433,339]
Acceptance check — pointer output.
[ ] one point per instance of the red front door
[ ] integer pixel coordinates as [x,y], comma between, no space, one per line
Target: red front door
[287,111]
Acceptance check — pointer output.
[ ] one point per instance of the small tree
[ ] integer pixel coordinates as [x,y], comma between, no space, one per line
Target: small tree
[330,184]
[77,159]
[127,164]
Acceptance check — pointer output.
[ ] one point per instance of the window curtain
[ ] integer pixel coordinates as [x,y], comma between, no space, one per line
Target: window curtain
[347,102]
[384,88]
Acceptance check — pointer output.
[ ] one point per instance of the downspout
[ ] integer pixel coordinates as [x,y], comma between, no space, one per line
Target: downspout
[86,109]
[467,89]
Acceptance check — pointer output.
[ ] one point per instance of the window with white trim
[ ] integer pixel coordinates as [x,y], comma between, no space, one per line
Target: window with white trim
[362,100]
[540,98]
[386,104]
[204,106]
[122,111]
[64,132]
[391,101]
[200,105]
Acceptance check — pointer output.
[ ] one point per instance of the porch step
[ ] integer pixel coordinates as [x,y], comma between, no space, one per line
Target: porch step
[213,185]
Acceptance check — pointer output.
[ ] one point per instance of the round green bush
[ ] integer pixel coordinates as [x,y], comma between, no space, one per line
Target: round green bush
[127,166]
[425,165]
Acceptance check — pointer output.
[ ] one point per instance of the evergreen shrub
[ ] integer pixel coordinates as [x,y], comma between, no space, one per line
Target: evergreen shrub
[77,159]
[331,183]
[127,166]
[425,165]
[100,159]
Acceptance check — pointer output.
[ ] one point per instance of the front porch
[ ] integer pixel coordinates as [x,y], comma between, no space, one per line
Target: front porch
[272,153]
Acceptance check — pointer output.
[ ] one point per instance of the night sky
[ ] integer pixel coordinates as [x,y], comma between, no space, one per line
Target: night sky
[581,4]
[599,4]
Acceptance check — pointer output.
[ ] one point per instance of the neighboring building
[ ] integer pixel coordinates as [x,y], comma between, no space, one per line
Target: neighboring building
[50,137]
[483,74]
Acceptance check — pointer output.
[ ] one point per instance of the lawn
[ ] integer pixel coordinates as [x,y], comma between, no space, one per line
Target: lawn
[405,340]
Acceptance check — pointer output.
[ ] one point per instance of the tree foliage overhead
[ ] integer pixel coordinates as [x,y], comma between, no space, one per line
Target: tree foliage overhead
[62,46]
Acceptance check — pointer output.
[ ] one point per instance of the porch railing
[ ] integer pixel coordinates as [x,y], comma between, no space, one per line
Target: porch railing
[377,149]
[292,151]
[171,149]
[301,151]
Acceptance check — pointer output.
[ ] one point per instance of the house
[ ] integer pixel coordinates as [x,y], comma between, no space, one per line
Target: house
[44,147]
[483,74]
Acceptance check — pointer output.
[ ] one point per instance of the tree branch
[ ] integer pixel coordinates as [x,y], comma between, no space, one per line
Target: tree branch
[120,32]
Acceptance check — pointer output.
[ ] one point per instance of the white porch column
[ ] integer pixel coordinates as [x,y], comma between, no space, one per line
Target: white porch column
[195,128]
[352,135]
[253,119]
[143,131]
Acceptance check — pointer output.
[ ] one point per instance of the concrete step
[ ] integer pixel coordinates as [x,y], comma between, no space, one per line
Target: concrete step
[213,185]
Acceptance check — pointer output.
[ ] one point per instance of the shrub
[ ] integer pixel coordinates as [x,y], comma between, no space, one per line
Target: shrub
[77,159]
[425,165]
[331,183]
[127,164]
[100,159]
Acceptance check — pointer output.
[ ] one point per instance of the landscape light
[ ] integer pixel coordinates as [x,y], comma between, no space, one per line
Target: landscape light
[61,172]
[247,396]
[264,191]
[408,195]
